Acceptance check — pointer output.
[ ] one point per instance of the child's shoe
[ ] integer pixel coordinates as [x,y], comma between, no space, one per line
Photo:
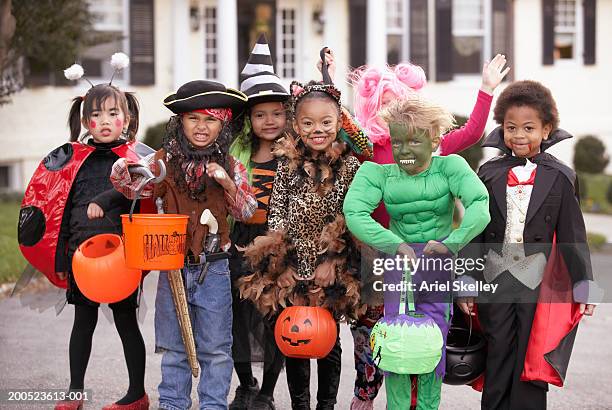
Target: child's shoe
[69,405]
[140,404]
[244,396]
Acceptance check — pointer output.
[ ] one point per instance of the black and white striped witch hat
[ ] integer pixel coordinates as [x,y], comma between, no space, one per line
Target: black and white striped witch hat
[258,80]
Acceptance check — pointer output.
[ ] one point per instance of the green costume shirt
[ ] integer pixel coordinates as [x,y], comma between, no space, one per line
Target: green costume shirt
[420,206]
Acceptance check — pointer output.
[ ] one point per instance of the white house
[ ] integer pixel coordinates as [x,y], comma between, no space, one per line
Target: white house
[563,43]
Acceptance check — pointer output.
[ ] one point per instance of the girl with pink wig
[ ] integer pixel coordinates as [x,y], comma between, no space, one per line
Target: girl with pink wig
[375,87]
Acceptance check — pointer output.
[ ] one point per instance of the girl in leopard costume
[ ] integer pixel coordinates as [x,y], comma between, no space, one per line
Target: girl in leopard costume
[307,256]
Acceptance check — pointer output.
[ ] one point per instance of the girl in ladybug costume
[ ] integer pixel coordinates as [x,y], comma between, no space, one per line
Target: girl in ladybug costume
[70,199]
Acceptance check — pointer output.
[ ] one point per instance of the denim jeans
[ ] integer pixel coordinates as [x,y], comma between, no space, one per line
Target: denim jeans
[210,308]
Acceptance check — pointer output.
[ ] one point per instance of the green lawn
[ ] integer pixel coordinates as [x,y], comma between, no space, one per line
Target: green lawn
[11,261]
[596,188]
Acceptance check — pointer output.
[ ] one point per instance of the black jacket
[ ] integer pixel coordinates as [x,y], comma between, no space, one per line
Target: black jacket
[91,184]
[554,209]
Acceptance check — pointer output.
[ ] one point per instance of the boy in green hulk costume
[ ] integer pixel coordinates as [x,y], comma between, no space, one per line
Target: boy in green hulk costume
[419,193]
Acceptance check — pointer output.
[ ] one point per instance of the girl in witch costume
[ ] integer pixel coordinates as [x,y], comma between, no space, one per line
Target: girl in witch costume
[419,193]
[375,87]
[534,209]
[200,175]
[72,198]
[265,121]
[304,257]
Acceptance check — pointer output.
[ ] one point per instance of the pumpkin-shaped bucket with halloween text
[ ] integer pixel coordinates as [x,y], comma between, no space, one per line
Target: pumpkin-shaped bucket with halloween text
[100,271]
[305,332]
[155,241]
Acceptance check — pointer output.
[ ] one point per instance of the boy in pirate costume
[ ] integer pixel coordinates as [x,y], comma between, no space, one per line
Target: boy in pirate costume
[200,175]
[418,192]
[534,208]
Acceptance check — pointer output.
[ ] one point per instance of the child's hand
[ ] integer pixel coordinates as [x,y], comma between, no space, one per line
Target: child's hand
[216,171]
[435,248]
[331,64]
[587,310]
[466,305]
[493,73]
[405,250]
[94,211]
[286,279]
[325,274]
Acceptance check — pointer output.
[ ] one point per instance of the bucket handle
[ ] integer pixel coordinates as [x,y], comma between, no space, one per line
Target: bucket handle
[149,178]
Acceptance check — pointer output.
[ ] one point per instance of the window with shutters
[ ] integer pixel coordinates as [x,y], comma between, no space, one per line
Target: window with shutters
[210,38]
[568,15]
[471,22]
[286,42]
[397,31]
[110,19]
[5,179]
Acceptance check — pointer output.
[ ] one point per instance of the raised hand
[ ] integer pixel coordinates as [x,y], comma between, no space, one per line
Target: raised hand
[493,73]
[331,63]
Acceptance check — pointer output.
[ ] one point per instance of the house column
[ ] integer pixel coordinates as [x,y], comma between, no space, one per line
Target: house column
[180,32]
[336,37]
[227,42]
[376,32]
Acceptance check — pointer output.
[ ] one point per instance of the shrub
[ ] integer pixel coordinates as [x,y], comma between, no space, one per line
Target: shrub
[590,155]
[155,135]
[473,155]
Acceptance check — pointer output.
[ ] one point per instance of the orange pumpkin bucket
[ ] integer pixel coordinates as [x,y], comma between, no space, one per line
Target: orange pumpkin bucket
[155,241]
[100,272]
[305,332]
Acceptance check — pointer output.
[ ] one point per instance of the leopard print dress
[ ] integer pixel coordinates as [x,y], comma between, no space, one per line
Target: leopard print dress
[303,214]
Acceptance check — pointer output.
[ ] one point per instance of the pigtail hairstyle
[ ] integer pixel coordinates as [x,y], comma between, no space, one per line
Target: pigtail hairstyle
[74,118]
[134,110]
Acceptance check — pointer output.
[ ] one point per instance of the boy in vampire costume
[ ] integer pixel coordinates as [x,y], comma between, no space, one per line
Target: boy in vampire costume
[534,206]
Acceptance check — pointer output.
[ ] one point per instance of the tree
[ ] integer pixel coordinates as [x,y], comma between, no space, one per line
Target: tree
[11,79]
[49,35]
[590,155]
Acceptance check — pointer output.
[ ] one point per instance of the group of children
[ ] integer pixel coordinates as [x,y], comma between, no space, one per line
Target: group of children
[291,183]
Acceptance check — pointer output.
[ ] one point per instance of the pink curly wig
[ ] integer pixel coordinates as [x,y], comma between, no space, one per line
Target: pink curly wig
[372,82]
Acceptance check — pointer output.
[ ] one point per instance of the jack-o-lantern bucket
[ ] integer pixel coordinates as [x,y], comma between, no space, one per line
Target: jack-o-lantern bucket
[155,241]
[305,332]
[100,271]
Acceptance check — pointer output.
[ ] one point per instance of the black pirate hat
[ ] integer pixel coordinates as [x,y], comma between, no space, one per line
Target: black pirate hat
[199,94]
[258,80]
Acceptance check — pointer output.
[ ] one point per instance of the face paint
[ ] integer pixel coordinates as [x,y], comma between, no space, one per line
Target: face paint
[118,123]
[411,149]
[524,131]
[92,124]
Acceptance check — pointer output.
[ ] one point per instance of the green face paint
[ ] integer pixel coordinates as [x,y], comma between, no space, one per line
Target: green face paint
[411,149]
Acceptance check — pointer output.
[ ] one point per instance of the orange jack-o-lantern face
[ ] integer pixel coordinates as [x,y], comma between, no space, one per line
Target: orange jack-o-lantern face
[305,332]
[173,243]
[303,335]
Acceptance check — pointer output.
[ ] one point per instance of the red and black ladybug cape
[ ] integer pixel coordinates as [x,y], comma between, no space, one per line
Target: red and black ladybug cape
[42,208]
